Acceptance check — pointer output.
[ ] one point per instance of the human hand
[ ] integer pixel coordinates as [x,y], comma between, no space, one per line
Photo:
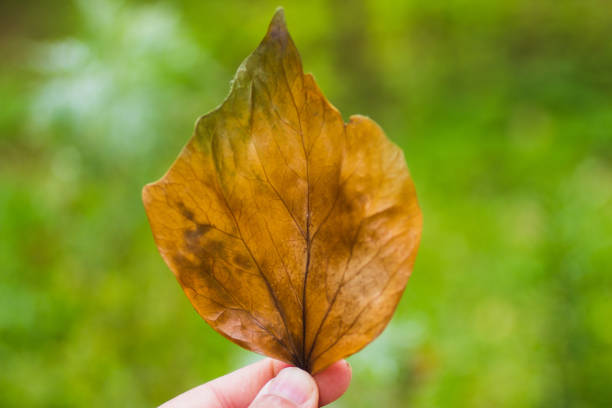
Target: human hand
[268,384]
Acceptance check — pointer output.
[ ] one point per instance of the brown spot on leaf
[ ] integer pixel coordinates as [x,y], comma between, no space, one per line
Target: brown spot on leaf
[242,261]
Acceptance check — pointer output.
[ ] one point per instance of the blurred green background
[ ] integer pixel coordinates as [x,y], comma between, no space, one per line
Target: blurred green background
[503,108]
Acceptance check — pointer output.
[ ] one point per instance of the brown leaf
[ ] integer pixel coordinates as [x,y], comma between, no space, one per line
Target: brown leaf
[292,233]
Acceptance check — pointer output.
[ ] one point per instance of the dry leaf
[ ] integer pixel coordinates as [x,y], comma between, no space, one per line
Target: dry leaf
[292,233]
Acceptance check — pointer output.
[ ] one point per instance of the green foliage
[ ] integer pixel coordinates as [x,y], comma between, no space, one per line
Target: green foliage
[504,110]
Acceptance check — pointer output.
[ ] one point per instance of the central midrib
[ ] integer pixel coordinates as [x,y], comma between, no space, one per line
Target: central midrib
[304,364]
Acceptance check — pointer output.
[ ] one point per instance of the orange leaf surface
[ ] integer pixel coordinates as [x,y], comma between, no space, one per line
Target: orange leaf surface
[292,233]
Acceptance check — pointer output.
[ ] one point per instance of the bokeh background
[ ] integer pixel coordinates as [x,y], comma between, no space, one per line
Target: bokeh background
[503,108]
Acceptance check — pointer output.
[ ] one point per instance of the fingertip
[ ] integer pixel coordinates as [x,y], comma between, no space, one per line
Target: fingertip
[292,387]
[333,381]
[276,367]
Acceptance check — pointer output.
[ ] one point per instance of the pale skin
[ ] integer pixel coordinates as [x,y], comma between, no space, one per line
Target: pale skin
[268,383]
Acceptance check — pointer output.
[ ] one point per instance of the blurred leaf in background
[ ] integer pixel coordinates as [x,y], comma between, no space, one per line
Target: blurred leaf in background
[503,109]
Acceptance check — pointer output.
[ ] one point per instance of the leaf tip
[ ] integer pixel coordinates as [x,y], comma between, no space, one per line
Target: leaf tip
[278,24]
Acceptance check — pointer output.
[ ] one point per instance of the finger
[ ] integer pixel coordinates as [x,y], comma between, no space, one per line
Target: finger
[291,388]
[234,390]
[333,381]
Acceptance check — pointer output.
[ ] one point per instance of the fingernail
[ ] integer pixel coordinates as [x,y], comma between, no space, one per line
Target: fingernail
[292,384]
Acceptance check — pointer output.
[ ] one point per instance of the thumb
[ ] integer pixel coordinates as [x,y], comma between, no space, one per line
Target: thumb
[291,388]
